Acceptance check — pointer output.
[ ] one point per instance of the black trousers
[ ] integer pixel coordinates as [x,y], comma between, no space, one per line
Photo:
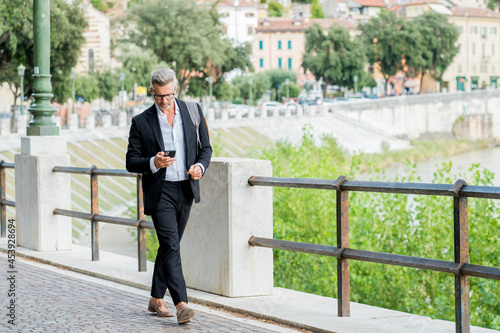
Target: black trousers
[170,220]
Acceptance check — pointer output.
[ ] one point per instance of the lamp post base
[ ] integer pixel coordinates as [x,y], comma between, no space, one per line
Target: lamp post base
[42,130]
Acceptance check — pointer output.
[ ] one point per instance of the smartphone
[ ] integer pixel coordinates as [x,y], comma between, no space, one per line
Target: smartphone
[169,153]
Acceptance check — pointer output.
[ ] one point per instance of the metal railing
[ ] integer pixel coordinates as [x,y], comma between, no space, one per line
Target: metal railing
[460,267]
[94,217]
[3,197]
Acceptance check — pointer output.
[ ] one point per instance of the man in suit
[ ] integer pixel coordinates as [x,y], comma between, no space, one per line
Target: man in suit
[169,183]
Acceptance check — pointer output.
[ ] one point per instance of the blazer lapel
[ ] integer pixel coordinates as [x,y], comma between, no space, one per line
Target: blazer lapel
[152,117]
[186,123]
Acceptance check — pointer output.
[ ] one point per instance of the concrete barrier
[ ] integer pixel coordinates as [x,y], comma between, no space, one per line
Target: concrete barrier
[39,191]
[215,251]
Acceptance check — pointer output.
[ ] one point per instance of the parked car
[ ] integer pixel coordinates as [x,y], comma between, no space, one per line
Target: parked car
[237,109]
[271,107]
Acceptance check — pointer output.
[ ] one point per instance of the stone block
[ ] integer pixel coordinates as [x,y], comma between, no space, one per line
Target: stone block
[215,251]
[39,191]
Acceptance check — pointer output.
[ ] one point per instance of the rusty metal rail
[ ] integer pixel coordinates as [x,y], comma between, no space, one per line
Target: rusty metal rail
[94,217]
[460,267]
[3,197]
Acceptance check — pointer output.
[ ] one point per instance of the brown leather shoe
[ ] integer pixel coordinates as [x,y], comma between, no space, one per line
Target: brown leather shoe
[158,305]
[184,315]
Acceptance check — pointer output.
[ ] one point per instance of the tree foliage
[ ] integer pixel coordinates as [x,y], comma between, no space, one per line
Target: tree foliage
[188,37]
[67,25]
[420,226]
[275,9]
[440,41]
[333,56]
[316,10]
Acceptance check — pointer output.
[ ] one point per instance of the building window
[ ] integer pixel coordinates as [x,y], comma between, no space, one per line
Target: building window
[250,30]
[484,51]
[473,30]
[261,62]
[459,48]
[279,45]
[260,45]
[483,32]
[91,61]
[473,48]
[493,31]
[474,69]
[279,63]
[483,69]
[460,29]
[459,69]
[493,68]
[249,14]
[289,63]
[492,49]
[289,44]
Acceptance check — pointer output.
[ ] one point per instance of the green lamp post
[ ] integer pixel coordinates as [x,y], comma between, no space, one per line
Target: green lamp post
[41,109]
[287,82]
[73,76]
[250,82]
[122,80]
[355,78]
[20,71]
[210,82]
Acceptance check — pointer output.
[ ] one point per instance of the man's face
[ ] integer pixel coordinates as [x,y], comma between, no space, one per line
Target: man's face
[164,95]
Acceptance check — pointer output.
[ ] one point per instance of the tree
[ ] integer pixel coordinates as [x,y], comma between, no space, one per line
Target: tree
[492,4]
[108,83]
[440,39]
[334,56]
[67,25]
[316,10]
[260,85]
[138,64]
[275,9]
[392,44]
[188,37]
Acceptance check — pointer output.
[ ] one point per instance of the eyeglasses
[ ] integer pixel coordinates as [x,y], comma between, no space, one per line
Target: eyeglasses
[161,97]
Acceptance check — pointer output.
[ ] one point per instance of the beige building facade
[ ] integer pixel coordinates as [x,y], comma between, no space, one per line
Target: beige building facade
[280,44]
[96,51]
[477,64]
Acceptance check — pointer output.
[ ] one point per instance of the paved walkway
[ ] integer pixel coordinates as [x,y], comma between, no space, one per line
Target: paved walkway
[47,300]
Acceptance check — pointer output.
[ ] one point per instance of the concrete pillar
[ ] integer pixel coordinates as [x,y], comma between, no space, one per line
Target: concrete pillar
[39,191]
[122,119]
[22,123]
[106,121]
[90,121]
[210,114]
[224,115]
[73,121]
[251,112]
[215,251]
[4,126]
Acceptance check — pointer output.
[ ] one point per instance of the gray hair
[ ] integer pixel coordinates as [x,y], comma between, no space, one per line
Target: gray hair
[162,77]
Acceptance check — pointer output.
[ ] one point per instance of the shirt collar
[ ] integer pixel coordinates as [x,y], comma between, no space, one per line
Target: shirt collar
[158,111]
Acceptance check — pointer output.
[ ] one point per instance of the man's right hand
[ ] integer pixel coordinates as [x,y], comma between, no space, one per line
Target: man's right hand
[162,161]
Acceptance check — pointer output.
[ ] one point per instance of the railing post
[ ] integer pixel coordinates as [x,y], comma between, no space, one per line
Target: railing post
[3,196]
[461,239]
[141,232]
[343,278]
[94,209]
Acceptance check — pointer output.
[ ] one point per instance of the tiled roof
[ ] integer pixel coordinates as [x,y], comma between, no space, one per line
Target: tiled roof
[423,2]
[371,3]
[278,24]
[242,3]
[474,12]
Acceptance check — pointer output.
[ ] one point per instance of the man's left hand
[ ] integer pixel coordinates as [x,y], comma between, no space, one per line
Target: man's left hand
[195,172]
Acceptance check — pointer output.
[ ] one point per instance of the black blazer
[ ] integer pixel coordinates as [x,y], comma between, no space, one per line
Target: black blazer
[145,141]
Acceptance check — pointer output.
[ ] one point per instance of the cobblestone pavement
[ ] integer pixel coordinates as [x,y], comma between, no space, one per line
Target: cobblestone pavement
[48,301]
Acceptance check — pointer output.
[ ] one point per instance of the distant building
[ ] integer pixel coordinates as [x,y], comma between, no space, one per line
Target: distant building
[369,8]
[280,43]
[477,64]
[96,51]
[239,18]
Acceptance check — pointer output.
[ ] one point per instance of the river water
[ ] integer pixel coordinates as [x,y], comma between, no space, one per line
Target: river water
[488,158]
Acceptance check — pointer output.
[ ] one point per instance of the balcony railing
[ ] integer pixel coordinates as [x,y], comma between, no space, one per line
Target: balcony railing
[3,197]
[94,217]
[460,267]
